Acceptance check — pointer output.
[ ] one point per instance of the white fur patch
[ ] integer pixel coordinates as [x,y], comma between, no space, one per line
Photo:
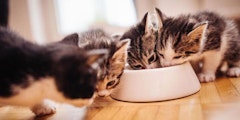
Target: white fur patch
[168,54]
[62,111]
[68,112]
[45,108]
[206,77]
[211,62]
[234,72]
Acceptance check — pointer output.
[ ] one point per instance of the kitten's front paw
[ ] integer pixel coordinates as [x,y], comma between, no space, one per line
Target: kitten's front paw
[47,107]
[233,72]
[203,77]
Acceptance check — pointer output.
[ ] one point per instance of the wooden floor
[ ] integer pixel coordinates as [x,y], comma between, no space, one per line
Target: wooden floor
[219,100]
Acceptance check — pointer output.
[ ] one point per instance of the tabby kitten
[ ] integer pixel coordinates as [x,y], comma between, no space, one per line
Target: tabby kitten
[141,53]
[205,38]
[110,71]
[30,73]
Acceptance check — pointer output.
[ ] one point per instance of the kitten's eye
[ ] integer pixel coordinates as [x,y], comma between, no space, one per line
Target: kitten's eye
[152,59]
[111,83]
[177,57]
[161,55]
[137,67]
[190,52]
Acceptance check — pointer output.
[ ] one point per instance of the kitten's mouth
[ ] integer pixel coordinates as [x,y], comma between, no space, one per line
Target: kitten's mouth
[103,93]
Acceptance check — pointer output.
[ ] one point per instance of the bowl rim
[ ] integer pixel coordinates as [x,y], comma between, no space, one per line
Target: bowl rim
[129,92]
[156,69]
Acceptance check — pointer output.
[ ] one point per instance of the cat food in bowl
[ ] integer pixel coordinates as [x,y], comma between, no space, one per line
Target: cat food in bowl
[158,84]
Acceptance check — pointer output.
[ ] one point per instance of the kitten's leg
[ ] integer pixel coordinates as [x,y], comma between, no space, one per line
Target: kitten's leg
[47,107]
[234,70]
[211,62]
[196,64]
[224,67]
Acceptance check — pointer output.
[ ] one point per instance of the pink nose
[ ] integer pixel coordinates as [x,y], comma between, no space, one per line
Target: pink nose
[103,93]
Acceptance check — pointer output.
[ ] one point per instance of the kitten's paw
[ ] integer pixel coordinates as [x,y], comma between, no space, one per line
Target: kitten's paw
[47,107]
[203,77]
[233,72]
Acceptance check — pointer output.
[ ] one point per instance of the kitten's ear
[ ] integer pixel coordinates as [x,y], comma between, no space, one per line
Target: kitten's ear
[198,32]
[96,57]
[146,22]
[160,18]
[197,37]
[71,39]
[116,36]
[121,53]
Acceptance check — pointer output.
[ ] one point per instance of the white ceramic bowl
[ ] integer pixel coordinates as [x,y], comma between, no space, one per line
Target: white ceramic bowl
[157,84]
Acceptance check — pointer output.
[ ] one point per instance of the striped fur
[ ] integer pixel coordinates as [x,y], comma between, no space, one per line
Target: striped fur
[143,36]
[110,71]
[205,37]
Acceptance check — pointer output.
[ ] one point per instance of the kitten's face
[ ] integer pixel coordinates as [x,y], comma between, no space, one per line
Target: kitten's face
[170,53]
[141,54]
[179,41]
[111,71]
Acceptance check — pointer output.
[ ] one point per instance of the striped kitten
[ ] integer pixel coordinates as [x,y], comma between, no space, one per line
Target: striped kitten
[111,70]
[141,54]
[30,74]
[206,39]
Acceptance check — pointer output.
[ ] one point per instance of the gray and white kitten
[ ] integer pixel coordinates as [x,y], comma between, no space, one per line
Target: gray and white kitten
[110,71]
[206,39]
[143,36]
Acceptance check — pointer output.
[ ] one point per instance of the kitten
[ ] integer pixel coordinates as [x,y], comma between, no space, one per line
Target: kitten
[30,73]
[205,38]
[143,36]
[110,71]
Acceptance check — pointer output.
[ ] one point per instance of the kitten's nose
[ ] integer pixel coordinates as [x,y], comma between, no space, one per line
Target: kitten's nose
[103,93]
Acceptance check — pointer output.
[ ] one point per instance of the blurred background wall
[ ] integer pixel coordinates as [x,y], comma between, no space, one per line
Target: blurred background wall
[44,21]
